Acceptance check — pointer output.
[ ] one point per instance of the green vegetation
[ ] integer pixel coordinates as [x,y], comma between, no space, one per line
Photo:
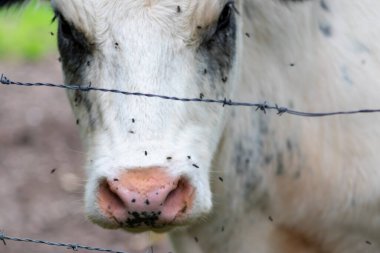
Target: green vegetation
[26,31]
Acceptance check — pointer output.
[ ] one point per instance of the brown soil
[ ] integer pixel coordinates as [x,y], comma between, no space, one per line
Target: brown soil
[41,180]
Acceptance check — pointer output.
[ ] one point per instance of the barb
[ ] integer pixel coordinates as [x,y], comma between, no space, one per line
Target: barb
[72,246]
[4,80]
[264,107]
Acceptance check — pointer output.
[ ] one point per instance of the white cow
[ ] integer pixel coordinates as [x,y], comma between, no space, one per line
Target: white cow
[232,179]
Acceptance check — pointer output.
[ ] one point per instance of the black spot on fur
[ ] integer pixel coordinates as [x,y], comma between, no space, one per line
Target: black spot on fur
[324,5]
[325,29]
[178,9]
[88,106]
[242,158]
[77,97]
[247,156]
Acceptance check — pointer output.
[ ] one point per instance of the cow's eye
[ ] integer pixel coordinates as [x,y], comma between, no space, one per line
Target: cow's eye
[225,16]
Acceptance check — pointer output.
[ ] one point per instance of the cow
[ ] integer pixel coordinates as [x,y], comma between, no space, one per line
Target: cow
[229,179]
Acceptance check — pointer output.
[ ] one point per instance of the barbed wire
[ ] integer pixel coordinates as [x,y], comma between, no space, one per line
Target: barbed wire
[264,107]
[71,246]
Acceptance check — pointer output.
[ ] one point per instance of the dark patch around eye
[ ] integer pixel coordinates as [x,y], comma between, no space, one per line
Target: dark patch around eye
[75,49]
[218,51]
[324,5]
[325,29]
[76,52]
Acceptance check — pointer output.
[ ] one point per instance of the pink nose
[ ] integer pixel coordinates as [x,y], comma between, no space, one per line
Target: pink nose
[145,198]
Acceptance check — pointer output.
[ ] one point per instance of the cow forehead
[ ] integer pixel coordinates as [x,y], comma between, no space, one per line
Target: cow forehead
[174,14]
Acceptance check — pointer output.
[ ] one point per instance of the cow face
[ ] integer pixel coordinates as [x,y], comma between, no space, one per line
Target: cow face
[148,160]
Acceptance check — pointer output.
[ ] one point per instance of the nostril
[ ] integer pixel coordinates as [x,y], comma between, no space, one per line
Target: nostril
[176,191]
[109,202]
[179,199]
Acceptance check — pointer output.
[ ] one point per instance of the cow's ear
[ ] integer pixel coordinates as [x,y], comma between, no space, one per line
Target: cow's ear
[7,3]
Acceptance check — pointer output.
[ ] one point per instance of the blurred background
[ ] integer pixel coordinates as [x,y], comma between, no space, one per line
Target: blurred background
[41,177]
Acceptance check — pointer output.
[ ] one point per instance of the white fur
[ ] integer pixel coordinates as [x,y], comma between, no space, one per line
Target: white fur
[333,204]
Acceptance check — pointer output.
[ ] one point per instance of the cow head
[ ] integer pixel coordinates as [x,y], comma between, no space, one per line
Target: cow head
[149,160]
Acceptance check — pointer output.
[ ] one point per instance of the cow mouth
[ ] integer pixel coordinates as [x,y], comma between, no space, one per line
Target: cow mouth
[148,221]
[142,222]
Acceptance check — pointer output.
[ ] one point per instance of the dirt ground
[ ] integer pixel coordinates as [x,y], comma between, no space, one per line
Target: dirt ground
[41,179]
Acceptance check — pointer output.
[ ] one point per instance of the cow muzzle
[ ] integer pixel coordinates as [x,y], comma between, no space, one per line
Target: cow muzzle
[145,199]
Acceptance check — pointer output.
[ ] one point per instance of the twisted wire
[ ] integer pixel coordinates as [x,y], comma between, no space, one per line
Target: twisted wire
[71,246]
[264,107]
